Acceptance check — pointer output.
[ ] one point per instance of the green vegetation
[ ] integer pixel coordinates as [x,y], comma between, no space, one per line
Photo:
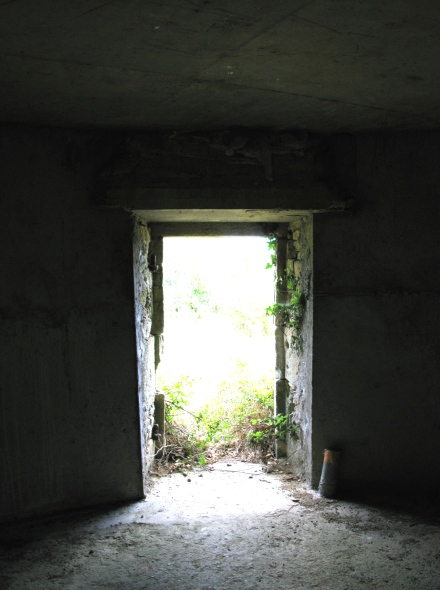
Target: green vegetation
[289,314]
[265,433]
[242,398]
[272,246]
[238,421]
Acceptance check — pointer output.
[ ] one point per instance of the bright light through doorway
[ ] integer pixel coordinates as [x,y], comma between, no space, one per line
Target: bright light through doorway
[216,291]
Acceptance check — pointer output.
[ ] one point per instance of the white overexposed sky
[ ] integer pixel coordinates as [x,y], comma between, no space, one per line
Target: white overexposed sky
[230,266]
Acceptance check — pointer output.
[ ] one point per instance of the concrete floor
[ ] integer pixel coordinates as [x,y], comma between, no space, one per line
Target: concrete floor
[229,528]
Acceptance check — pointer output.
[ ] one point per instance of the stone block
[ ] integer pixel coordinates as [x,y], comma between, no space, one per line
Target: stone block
[291,250]
[159,419]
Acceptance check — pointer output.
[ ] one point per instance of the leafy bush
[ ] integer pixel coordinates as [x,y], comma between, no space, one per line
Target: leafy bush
[241,398]
[265,433]
[238,421]
[177,396]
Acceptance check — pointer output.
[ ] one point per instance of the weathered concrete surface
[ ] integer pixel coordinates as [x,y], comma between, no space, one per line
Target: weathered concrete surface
[209,228]
[185,215]
[68,402]
[207,534]
[70,407]
[293,344]
[156,250]
[159,419]
[145,342]
[222,176]
[377,320]
[324,66]
[281,297]
[299,356]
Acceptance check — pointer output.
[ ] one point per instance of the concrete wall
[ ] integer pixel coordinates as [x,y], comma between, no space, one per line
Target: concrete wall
[145,341]
[69,410]
[377,319]
[299,348]
[70,401]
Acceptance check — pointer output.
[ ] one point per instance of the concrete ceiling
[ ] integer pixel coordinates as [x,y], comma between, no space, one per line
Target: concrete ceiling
[323,65]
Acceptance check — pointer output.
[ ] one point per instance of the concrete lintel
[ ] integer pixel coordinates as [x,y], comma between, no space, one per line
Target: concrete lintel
[207,229]
[212,216]
[224,203]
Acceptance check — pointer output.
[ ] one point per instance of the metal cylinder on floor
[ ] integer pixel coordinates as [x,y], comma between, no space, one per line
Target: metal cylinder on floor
[329,481]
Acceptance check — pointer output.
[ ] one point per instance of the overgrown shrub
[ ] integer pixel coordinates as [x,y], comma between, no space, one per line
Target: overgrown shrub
[238,421]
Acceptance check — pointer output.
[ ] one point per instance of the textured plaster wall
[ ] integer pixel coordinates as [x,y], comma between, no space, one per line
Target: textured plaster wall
[149,329]
[69,410]
[71,391]
[377,319]
[299,358]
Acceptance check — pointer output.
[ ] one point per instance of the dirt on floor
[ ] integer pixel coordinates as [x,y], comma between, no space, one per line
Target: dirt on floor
[232,526]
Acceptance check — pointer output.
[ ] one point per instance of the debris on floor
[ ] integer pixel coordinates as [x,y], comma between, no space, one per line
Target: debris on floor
[235,528]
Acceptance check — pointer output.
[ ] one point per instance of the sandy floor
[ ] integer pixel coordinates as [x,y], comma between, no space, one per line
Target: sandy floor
[231,528]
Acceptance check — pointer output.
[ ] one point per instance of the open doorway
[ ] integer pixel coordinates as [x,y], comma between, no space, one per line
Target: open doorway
[217,369]
[291,248]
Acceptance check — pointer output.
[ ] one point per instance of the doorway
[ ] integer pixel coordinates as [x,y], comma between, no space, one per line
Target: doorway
[292,243]
[217,366]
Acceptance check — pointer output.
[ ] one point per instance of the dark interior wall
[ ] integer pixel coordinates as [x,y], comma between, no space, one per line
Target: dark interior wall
[69,407]
[377,319]
[69,414]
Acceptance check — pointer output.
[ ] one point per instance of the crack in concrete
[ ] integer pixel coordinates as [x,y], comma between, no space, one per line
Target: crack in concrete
[318,24]
[96,8]
[84,63]
[324,99]
[190,82]
[362,35]
[240,46]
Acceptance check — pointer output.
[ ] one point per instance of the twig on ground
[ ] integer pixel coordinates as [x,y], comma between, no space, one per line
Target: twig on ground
[281,511]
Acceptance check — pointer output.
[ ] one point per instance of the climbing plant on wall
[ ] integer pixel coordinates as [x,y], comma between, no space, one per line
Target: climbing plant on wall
[291,313]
